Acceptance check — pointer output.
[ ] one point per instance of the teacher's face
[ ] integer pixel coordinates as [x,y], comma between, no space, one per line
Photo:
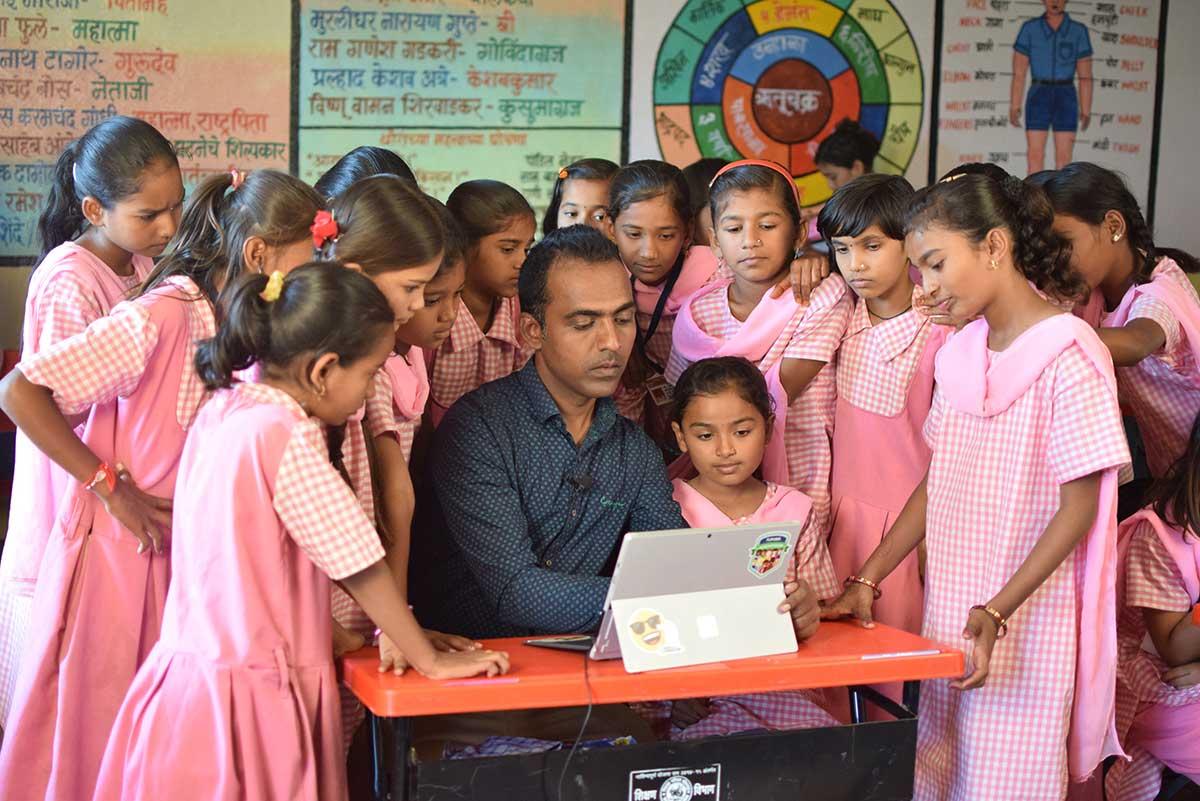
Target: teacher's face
[590,327]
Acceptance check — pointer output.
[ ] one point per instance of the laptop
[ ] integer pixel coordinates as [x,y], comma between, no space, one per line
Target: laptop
[694,596]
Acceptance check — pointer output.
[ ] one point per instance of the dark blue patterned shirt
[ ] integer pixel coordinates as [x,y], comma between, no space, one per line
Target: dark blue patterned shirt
[524,524]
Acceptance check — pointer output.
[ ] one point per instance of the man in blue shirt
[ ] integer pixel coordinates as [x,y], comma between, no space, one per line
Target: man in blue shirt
[1054,48]
[535,477]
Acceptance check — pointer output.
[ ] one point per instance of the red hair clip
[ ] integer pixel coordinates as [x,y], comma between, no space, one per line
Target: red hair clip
[236,179]
[324,229]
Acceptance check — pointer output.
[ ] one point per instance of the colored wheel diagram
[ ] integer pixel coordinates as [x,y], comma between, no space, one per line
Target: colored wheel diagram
[770,79]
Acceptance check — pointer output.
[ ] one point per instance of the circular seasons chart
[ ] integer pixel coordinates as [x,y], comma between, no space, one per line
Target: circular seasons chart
[771,79]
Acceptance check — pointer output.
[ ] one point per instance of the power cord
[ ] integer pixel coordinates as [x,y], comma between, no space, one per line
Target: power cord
[587,683]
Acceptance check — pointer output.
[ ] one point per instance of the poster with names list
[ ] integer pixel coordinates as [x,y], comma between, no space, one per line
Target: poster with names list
[462,89]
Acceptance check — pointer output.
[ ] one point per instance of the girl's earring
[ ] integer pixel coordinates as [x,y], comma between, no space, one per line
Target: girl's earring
[1116,237]
[993,265]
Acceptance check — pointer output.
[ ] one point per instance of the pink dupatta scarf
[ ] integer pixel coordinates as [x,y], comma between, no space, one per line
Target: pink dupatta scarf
[753,341]
[785,504]
[409,380]
[973,387]
[699,266]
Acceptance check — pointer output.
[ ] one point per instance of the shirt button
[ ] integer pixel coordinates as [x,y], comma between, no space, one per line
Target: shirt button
[549,562]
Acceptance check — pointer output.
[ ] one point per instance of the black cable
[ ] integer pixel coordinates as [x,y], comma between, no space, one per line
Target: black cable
[582,729]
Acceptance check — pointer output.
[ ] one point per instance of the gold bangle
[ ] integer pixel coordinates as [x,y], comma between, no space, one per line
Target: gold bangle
[866,583]
[997,618]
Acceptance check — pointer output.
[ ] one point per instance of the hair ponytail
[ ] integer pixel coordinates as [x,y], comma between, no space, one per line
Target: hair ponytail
[1088,192]
[974,203]
[1041,254]
[106,163]
[321,308]
[62,220]
[244,333]
[218,219]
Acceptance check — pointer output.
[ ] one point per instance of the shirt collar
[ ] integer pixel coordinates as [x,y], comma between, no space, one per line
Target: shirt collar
[890,338]
[1050,31]
[465,333]
[265,393]
[543,408]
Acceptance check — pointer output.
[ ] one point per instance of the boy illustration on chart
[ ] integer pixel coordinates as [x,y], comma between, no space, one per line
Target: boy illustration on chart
[1054,48]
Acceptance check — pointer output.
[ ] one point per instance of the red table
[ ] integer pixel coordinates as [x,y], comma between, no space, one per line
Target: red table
[841,654]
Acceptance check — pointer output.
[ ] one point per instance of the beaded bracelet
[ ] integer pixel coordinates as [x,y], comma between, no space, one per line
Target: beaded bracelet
[874,587]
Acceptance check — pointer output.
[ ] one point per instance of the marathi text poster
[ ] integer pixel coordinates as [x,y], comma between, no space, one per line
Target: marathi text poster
[1087,93]
[462,89]
[218,91]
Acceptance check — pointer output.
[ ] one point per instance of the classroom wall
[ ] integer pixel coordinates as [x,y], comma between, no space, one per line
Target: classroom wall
[1177,198]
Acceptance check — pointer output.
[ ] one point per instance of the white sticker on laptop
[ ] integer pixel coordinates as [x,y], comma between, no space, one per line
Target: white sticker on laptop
[653,633]
[706,627]
[766,555]
[676,784]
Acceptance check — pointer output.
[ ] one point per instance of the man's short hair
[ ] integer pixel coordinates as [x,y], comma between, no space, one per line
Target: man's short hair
[575,242]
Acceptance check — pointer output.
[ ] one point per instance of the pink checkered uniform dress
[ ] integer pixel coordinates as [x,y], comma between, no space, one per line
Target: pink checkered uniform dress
[993,488]
[470,358]
[792,709]
[238,699]
[1163,390]
[885,390]
[98,604]
[69,290]
[813,333]
[1156,721]
[381,416]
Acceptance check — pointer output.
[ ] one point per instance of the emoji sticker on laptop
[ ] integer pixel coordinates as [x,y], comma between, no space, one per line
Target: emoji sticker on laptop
[767,552]
[653,633]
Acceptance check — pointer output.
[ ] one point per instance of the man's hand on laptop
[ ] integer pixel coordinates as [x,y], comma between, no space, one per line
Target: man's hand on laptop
[801,603]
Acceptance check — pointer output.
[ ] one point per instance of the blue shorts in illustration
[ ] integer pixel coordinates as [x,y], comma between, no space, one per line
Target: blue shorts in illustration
[1052,106]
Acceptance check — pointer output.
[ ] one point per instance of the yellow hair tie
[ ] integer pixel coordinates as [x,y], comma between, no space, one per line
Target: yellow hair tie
[274,287]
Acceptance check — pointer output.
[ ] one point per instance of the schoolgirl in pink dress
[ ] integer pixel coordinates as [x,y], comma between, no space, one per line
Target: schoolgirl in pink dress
[104,577]
[884,387]
[756,213]
[1158,675]
[1018,509]
[89,263]
[722,419]
[651,222]
[238,695]
[484,345]
[580,196]
[390,231]
[401,390]
[1145,306]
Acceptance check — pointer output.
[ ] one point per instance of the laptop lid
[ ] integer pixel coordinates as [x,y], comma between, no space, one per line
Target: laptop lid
[716,588]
